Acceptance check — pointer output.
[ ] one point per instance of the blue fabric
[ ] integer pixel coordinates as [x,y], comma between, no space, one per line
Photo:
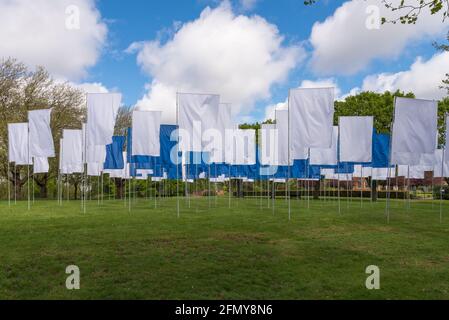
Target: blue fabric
[114,154]
[381,150]
[345,168]
[160,164]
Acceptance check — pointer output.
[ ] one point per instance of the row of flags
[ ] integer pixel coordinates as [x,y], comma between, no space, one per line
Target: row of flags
[303,143]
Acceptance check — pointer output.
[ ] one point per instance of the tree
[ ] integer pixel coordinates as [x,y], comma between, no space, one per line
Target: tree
[122,123]
[22,90]
[379,105]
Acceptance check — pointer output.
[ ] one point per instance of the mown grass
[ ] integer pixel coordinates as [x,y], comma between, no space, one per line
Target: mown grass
[213,252]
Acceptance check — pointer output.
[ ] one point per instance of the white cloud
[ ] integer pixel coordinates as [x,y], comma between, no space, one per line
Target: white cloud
[270,111]
[35,32]
[247,4]
[91,87]
[343,44]
[322,83]
[423,78]
[237,56]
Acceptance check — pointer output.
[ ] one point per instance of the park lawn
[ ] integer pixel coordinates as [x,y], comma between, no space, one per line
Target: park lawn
[213,252]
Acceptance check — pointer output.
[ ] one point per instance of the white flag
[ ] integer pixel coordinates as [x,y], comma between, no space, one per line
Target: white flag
[215,142]
[406,159]
[446,149]
[311,119]
[440,169]
[417,172]
[326,156]
[41,138]
[40,165]
[18,151]
[269,141]
[72,148]
[243,144]
[415,126]
[94,169]
[282,142]
[102,109]
[356,139]
[196,114]
[145,135]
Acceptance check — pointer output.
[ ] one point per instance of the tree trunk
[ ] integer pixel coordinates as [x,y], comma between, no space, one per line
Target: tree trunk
[75,186]
[316,190]
[42,185]
[118,188]
[374,191]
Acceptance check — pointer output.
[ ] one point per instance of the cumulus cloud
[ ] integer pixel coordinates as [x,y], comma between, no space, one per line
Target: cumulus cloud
[91,87]
[64,36]
[349,40]
[247,4]
[237,56]
[423,78]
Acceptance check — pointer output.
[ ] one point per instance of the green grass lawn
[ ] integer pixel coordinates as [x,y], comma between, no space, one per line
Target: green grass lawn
[246,252]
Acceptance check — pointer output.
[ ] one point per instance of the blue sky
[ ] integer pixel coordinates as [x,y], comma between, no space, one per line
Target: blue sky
[321,45]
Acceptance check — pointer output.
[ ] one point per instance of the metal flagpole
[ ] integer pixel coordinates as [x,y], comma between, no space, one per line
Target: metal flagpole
[208,192]
[289,167]
[177,160]
[361,187]
[442,170]
[15,183]
[408,188]
[230,187]
[9,184]
[28,168]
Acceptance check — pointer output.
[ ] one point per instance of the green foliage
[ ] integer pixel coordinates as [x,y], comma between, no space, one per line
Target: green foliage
[22,90]
[379,105]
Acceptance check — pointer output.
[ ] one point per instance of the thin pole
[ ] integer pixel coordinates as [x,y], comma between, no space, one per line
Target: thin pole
[230,187]
[9,185]
[361,187]
[289,167]
[15,183]
[387,209]
[28,169]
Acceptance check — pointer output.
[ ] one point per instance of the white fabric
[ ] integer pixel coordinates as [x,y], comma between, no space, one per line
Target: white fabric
[92,153]
[40,165]
[102,109]
[146,127]
[440,167]
[380,174]
[415,126]
[326,156]
[430,159]
[417,172]
[41,138]
[215,140]
[364,172]
[356,139]
[401,158]
[311,119]
[144,172]
[269,142]
[18,144]
[94,169]
[343,177]
[403,171]
[243,150]
[197,113]
[282,141]
[446,149]
[72,148]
